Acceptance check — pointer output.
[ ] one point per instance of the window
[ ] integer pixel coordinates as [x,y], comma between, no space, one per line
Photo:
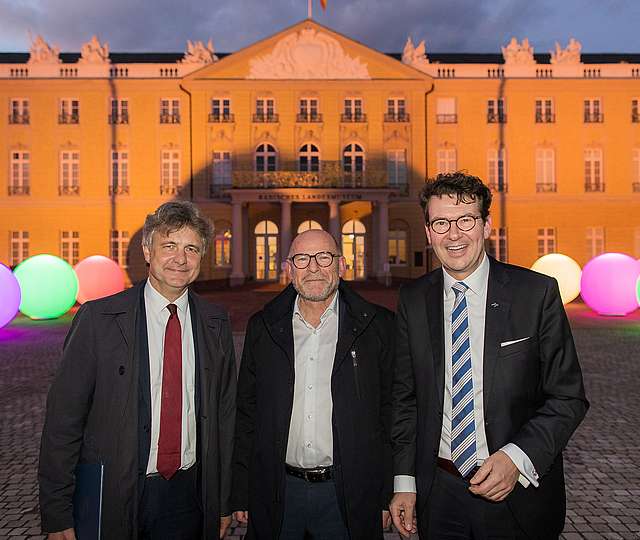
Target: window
[170,172]
[635,170]
[635,111]
[70,246]
[593,111]
[397,243]
[19,111]
[69,182]
[397,167]
[309,225]
[309,158]
[353,165]
[545,170]
[169,111]
[119,181]
[19,180]
[447,161]
[221,170]
[265,110]
[496,111]
[308,110]
[595,241]
[353,111]
[593,180]
[222,244]
[544,111]
[446,111]
[498,244]
[266,158]
[69,111]
[18,247]
[546,241]
[396,110]
[120,248]
[496,169]
[119,111]
[220,110]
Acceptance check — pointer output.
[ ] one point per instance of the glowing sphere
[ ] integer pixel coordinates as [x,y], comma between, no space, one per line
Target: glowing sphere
[49,286]
[9,295]
[608,284]
[566,271]
[98,277]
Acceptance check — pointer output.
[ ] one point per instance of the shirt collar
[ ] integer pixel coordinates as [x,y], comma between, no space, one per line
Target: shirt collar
[476,281]
[155,302]
[332,308]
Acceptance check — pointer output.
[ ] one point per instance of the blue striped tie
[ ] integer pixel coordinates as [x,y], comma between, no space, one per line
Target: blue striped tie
[463,430]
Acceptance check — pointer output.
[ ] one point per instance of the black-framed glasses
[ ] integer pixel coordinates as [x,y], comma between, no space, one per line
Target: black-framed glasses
[464,223]
[323,259]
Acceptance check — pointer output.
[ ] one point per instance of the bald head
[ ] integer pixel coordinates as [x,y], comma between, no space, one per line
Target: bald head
[313,241]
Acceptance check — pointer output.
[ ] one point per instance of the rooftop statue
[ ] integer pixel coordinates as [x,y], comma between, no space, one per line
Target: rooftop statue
[94,53]
[42,53]
[570,55]
[198,53]
[520,54]
[415,56]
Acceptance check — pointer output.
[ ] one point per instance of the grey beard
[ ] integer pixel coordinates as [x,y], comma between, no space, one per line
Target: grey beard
[326,293]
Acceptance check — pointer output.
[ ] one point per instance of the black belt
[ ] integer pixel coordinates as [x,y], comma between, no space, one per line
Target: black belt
[450,467]
[317,474]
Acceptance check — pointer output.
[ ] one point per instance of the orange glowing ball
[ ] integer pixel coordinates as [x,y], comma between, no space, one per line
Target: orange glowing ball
[98,277]
[566,271]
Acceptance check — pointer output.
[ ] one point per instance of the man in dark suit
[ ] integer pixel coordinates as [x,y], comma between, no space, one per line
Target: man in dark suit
[312,452]
[487,388]
[146,386]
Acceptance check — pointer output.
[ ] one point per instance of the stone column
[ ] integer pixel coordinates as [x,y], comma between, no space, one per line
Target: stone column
[285,237]
[334,220]
[237,275]
[384,275]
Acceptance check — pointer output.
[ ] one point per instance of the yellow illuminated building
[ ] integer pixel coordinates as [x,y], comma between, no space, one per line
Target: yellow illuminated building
[309,128]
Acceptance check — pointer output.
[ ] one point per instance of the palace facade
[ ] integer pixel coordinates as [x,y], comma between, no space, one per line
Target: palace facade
[311,129]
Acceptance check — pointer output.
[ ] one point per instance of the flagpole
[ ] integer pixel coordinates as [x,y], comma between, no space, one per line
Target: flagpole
[310,9]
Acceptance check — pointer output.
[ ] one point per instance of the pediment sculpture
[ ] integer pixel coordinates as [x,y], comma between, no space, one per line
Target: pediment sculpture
[307,54]
[93,52]
[415,56]
[520,54]
[43,53]
[199,53]
[568,56]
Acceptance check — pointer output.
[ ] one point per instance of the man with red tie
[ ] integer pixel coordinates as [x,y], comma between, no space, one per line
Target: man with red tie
[146,386]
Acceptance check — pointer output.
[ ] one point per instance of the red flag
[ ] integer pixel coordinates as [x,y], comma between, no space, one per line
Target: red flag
[323,3]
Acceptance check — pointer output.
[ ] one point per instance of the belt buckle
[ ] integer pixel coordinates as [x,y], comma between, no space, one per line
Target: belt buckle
[314,475]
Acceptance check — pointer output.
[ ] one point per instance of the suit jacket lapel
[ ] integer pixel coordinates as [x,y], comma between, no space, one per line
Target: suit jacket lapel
[435,318]
[496,317]
[278,320]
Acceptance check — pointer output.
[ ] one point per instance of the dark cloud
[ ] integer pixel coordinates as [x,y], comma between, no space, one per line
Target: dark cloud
[447,25]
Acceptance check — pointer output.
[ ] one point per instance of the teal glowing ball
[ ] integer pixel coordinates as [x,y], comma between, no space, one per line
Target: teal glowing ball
[49,286]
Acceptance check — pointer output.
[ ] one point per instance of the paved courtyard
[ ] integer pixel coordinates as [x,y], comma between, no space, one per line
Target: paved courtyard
[602,460]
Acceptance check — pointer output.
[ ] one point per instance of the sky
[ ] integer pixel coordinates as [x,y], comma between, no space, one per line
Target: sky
[446,25]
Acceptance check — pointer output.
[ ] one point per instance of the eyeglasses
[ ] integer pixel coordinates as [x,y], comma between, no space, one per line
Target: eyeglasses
[323,259]
[464,223]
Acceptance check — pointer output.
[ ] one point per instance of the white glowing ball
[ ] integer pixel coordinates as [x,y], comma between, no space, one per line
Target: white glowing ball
[566,271]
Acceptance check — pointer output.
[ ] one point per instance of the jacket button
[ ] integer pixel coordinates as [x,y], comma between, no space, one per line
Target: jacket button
[121,370]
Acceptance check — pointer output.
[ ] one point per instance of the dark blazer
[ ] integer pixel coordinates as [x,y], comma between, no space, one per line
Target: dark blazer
[93,413]
[361,415]
[533,393]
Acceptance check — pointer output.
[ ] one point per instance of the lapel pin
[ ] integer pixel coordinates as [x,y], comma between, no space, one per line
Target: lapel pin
[495,304]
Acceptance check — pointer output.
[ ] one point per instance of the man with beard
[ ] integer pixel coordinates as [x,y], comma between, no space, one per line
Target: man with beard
[312,448]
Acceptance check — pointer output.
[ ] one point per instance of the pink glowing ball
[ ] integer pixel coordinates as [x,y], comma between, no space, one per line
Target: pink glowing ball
[608,284]
[9,295]
[98,277]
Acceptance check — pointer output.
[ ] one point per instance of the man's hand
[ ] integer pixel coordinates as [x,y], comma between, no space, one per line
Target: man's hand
[225,521]
[402,510]
[67,534]
[241,516]
[496,478]
[386,519]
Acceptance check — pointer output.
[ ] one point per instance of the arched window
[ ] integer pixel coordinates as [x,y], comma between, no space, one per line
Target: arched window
[309,158]
[266,158]
[353,164]
[309,225]
[398,243]
[222,243]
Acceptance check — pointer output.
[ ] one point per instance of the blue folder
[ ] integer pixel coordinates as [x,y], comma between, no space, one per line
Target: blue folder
[87,501]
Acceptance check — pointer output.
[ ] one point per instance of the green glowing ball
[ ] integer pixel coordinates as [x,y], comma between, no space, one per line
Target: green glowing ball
[49,286]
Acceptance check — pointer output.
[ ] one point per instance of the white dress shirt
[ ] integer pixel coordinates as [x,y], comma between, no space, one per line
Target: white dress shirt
[310,442]
[157,317]
[476,297]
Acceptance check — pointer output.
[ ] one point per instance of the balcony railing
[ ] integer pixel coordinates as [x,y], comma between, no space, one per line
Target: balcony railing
[496,118]
[635,187]
[546,187]
[68,118]
[68,190]
[265,118]
[122,118]
[19,190]
[593,187]
[172,118]
[593,118]
[499,187]
[119,190]
[19,118]
[635,117]
[545,118]
[216,191]
[221,117]
[353,117]
[446,118]
[396,117]
[170,189]
[309,117]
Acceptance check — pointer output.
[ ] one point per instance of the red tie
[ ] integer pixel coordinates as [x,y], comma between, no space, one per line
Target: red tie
[169,442]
